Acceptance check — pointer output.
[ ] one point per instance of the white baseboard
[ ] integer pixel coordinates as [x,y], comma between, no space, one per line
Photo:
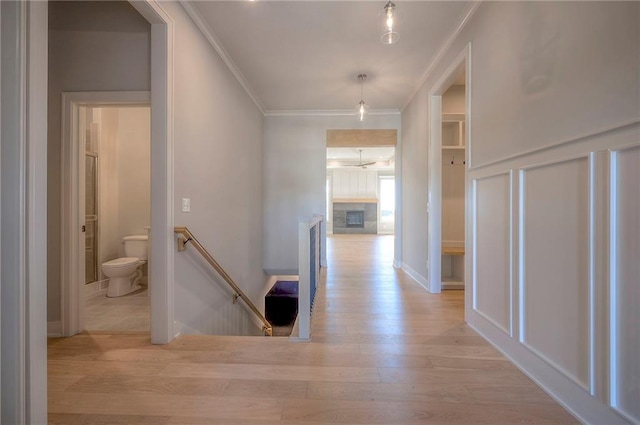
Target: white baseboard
[96,289]
[576,400]
[397,264]
[54,329]
[422,281]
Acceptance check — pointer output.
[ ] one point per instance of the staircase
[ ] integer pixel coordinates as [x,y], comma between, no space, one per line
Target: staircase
[281,306]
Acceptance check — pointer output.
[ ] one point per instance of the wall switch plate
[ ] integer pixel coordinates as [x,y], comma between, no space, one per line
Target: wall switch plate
[186,205]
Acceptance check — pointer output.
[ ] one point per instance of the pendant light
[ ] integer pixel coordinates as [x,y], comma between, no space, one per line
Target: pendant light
[362,108]
[389,36]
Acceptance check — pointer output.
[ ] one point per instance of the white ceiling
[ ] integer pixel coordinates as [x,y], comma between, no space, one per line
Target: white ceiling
[305,55]
[383,157]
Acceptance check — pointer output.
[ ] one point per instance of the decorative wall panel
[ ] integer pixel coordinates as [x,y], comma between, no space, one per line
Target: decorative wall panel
[555,276]
[492,245]
[625,282]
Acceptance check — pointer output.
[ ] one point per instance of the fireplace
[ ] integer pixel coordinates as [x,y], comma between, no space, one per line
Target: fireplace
[355,219]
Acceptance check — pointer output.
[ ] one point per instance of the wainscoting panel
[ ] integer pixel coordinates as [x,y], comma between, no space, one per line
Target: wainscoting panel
[555,274]
[492,225]
[625,282]
[575,268]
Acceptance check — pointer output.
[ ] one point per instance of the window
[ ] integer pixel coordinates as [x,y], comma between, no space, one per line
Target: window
[387,199]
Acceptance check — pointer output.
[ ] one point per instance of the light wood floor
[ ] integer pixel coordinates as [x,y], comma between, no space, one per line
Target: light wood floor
[384,351]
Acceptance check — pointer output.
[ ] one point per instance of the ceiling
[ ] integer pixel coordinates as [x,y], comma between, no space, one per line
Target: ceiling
[384,157]
[306,55]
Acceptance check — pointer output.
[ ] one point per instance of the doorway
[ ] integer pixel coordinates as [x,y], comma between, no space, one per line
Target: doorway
[117,210]
[107,142]
[449,161]
[360,191]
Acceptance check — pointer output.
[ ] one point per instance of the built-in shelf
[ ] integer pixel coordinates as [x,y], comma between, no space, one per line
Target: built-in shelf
[453,117]
[452,250]
[453,178]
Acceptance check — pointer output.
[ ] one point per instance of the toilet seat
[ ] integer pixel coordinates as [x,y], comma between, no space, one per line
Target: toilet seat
[121,262]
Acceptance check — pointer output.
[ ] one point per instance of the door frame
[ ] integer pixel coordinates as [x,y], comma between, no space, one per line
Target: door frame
[434,195]
[161,239]
[72,198]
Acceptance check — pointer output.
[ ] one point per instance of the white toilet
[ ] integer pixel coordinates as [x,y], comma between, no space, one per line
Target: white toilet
[125,273]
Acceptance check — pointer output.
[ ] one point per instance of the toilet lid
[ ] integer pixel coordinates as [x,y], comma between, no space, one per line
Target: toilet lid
[122,262]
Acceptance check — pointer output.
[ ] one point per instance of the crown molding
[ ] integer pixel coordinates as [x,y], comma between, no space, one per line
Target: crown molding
[211,37]
[326,112]
[442,51]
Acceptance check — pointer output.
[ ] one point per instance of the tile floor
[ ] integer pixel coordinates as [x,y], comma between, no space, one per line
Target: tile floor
[128,313]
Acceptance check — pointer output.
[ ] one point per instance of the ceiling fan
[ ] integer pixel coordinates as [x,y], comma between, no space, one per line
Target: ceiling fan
[360,164]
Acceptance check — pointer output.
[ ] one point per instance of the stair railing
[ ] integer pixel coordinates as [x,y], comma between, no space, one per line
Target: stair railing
[309,264]
[187,237]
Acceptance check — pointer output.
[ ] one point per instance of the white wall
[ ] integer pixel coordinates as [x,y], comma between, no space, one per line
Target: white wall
[124,167]
[295,178]
[453,100]
[352,184]
[554,88]
[107,119]
[218,165]
[134,171]
[93,46]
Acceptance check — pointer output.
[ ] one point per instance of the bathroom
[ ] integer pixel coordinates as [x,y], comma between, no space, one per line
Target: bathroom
[117,212]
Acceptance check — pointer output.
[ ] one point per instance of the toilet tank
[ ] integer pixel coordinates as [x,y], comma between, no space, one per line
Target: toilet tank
[136,246]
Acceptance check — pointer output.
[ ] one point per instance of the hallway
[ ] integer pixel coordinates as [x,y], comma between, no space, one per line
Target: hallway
[383,351]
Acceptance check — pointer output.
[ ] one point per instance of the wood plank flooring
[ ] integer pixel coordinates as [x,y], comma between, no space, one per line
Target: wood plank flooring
[383,351]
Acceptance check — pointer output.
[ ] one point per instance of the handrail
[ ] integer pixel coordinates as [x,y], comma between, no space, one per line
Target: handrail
[187,236]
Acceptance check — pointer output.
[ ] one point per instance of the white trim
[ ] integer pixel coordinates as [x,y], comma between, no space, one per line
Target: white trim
[24,199]
[473,277]
[559,143]
[326,112]
[523,302]
[36,211]
[589,401]
[434,195]
[442,51]
[211,37]
[162,240]
[420,280]
[434,202]
[573,398]
[13,140]
[613,278]
[72,205]
[96,289]
[54,329]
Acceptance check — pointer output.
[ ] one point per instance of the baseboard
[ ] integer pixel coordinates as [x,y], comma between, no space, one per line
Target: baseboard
[452,285]
[586,408]
[96,289]
[54,329]
[397,264]
[421,280]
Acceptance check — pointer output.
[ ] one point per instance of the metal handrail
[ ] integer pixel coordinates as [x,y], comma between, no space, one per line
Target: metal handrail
[187,236]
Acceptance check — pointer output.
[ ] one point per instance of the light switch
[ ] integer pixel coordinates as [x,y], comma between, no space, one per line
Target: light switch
[186,204]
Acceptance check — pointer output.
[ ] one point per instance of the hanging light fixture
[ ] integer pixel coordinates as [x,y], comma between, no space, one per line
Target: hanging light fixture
[362,108]
[389,36]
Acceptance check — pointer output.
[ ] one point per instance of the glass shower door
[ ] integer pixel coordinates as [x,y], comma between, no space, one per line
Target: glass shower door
[91,217]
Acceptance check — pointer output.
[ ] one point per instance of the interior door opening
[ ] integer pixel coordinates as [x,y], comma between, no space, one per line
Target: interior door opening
[447,195]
